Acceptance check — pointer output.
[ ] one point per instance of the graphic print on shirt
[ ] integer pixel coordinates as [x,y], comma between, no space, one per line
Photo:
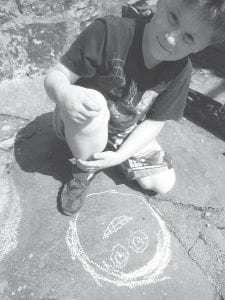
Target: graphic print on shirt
[116,136]
[118,76]
[115,81]
[126,105]
[125,113]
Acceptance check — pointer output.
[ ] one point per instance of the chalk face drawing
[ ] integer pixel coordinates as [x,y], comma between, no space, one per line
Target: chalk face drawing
[120,239]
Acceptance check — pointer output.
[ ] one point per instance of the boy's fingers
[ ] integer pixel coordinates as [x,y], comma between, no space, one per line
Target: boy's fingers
[88,163]
[98,155]
[83,162]
[91,104]
[79,118]
[87,112]
[91,114]
[84,113]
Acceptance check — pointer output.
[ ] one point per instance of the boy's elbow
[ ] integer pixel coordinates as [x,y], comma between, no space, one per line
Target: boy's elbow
[71,76]
[48,80]
[59,74]
[53,77]
[49,75]
[51,82]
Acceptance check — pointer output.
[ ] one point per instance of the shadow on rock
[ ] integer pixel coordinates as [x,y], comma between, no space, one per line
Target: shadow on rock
[37,149]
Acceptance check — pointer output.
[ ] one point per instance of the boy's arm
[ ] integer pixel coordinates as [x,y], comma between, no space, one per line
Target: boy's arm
[140,137]
[82,60]
[73,100]
[57,79]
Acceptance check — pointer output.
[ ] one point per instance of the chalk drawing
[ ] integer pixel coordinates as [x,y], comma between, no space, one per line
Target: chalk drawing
[151,272]
[119,256]
[10,215]
[116,224]
[138,241]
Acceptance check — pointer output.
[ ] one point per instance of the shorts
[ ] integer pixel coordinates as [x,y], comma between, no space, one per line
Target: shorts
[146,162]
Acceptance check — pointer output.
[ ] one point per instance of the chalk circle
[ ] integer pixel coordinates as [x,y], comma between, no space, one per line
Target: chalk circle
[120,239]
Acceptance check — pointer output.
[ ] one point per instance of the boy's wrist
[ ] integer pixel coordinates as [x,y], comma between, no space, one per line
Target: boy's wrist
[121,156]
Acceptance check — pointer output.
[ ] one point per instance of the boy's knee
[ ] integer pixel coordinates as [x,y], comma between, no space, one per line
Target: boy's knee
[99,98]
[161,183]
[90,124]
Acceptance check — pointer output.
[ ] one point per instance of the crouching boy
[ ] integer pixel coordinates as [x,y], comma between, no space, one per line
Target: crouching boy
[118,84]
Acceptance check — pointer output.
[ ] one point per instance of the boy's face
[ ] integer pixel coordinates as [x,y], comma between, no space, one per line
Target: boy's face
[175,31]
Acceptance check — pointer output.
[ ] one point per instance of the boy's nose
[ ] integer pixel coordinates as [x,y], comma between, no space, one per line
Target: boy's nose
[171,37]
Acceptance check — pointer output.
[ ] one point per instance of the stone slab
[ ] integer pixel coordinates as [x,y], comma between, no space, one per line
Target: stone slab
[116,225]
[200,234]
[197,184]
[39,173]
[209,82]
[24,98]
[198,158]
[207,112]
[30,49]
[40,8]
[39,265]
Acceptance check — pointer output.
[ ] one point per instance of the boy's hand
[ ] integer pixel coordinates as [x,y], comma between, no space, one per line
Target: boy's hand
[100,161]
[80,104]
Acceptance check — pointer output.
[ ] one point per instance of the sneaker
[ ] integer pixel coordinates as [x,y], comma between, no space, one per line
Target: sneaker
[75,190]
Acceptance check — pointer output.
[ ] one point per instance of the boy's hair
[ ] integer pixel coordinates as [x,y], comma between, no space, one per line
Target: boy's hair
[212,11]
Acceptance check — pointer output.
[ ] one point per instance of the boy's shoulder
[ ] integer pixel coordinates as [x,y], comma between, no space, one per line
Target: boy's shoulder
[116,20]
[118,24]
[119,33]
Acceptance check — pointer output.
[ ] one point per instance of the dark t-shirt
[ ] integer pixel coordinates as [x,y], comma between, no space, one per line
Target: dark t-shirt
[108,57]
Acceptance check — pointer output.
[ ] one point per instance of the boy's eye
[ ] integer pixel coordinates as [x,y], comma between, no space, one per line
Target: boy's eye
[173,19]
[188,38]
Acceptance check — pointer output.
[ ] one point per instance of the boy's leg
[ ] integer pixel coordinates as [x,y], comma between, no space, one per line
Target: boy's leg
[84,140]
[90,137]
[160,183]
[151,168]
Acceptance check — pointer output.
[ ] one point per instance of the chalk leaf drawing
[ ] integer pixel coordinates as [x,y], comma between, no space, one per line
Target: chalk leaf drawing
[149,273]
[116,224]
[138,241]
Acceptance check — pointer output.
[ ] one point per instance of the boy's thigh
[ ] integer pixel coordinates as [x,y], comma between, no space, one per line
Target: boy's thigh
[151,161]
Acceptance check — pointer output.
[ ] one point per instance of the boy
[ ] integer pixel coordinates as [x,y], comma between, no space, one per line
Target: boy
[118,84]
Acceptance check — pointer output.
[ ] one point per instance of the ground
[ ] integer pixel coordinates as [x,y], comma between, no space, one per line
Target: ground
[124,243]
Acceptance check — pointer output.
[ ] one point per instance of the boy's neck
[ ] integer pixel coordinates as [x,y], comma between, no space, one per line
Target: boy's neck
[151,65]
[151,62]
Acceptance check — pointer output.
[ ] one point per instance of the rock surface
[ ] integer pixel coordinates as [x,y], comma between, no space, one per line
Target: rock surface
[40,259]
